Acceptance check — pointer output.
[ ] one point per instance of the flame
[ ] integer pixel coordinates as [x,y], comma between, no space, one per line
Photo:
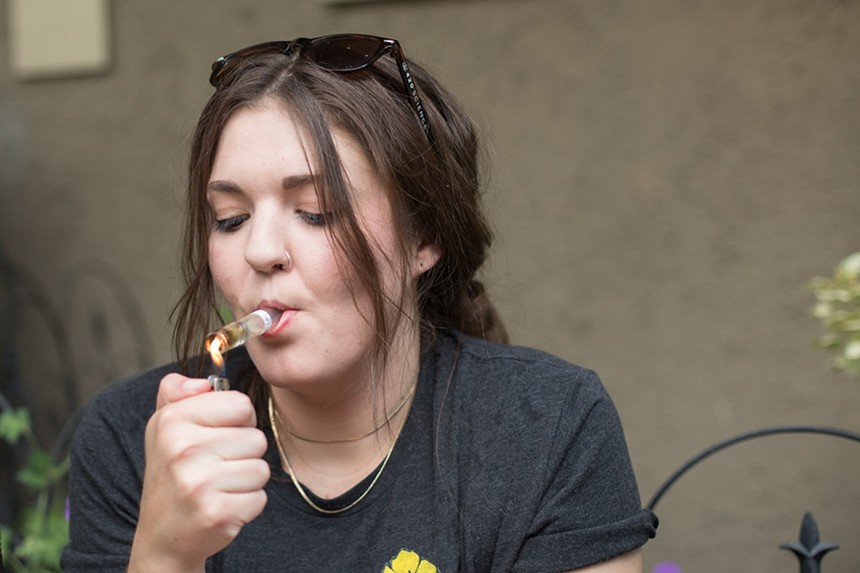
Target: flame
[214,348]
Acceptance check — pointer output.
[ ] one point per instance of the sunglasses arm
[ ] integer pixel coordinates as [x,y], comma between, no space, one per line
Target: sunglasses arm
[412,92]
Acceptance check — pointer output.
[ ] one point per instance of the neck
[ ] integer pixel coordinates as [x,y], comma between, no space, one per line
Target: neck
[333,473]
[328,462]
[350,410]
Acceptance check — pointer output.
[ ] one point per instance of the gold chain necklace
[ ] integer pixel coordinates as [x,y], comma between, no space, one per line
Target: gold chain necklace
[355,438]
[275,417]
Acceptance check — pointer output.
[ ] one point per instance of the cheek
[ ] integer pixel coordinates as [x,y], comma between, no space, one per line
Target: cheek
[322,272]
[376,222]
[223,269]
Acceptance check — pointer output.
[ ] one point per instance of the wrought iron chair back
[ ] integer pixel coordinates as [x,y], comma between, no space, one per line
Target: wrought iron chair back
[808,549]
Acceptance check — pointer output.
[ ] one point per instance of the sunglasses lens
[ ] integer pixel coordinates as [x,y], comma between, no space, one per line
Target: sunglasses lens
[346,53]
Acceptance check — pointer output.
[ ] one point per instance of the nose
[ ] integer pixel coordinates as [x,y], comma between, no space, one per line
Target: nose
[266,250]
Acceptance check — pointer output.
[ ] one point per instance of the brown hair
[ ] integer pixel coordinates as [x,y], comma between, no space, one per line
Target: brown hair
[434,189]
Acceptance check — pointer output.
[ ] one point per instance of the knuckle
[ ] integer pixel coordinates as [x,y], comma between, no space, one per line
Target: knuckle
[262,471]
[166,417]
[257,440]
[212,514]
[253,506]
[162,433]
[245,409]
[172,378]
[189,489]
[168,386]
[259,501]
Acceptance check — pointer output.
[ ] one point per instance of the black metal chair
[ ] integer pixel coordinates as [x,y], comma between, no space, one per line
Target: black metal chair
[809,549]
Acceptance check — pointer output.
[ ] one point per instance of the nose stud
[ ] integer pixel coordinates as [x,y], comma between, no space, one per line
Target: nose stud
[288,262]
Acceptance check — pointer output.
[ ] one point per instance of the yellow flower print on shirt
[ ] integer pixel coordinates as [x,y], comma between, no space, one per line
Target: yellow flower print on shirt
[409,562]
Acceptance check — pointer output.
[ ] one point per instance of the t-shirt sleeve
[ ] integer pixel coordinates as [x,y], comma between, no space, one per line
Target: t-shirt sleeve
[105,484]
[589,510]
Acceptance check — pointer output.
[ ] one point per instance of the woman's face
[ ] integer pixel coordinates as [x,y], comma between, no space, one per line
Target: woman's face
[262,197]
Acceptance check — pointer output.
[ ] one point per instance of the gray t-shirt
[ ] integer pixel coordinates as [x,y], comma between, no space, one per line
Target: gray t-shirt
[510,460]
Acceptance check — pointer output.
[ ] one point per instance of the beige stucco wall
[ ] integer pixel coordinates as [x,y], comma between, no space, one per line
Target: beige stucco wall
[668,176]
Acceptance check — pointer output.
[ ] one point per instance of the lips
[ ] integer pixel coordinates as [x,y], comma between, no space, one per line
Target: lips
[281,315]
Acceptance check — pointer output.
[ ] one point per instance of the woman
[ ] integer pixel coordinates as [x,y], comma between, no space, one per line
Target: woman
[382,423]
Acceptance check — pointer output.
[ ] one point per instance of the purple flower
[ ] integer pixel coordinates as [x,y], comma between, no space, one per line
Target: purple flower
[667,567]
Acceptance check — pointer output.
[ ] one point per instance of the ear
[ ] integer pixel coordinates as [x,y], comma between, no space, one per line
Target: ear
[425,257]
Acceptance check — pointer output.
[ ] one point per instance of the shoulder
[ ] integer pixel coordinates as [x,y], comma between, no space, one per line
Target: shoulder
[121,409]
[107,453]
[537,440]
[517,369]
[491,352]
[523,392]
[131,394]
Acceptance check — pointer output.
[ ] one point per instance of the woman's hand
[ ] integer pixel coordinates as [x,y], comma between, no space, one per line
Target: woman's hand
[204,476]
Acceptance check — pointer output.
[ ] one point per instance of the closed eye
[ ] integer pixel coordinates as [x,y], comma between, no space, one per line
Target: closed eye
[229,224]
[314,219]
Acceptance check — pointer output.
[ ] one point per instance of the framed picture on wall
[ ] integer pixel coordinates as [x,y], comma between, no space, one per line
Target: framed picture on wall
[58,38]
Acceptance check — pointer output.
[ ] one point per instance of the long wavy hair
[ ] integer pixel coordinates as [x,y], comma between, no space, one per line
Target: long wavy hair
[434,190]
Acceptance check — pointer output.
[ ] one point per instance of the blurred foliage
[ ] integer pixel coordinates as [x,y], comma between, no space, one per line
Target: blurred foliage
[837,307]
[39,530]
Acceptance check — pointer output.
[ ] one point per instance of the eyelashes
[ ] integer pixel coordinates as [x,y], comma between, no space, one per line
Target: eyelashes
[231,224]
[314,219]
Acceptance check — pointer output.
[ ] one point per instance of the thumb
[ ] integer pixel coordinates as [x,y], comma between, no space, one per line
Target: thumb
[175,387]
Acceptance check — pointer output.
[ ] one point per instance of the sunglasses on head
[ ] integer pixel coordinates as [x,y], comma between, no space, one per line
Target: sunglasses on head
[342,53]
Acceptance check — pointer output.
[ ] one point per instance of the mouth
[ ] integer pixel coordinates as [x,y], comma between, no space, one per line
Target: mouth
[282,315]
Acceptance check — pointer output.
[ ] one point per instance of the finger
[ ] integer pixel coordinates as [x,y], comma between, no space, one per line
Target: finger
[242,476]
[227,443]
[245,506]
[229,512]
[175,387]
[218,409]
[241,444]
[213,424]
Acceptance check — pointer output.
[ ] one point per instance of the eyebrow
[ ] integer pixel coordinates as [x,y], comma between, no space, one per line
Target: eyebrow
[223,186]
[287,183]
[296,181]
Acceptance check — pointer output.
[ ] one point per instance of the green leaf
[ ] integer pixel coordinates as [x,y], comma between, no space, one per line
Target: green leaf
[42,537]
[39,473]
[40,553]
[14,424]
[5,544]
[828,341]
[837,309]
[40,534]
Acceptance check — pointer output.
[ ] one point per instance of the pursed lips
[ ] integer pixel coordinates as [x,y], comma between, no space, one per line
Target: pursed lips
[281,314]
